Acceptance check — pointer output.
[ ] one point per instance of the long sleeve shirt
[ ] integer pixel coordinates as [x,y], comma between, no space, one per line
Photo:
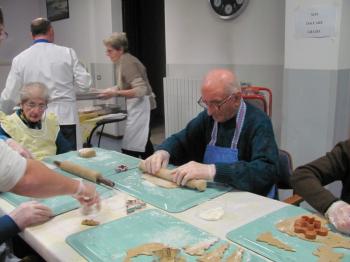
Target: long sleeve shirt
[308,180]
[8,228]
[257,167]
[57,67]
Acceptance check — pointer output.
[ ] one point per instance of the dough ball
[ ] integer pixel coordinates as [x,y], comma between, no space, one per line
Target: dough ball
[212,214]
[87,152]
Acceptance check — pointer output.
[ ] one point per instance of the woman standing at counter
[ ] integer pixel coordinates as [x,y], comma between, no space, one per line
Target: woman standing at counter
[133,84]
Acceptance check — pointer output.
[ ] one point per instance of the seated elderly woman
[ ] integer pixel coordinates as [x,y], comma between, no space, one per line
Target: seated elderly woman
[31,128]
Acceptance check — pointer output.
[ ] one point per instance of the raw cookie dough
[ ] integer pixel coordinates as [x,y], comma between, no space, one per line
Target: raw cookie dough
[326,254]
[87,152]
[332,239]
[214,256]
[90,222]
[212,214]
[159,182]
[236,256]
[268,238]
[199,248]
[163,252]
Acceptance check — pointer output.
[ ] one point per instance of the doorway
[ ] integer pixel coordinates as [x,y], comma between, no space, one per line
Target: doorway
[144,24]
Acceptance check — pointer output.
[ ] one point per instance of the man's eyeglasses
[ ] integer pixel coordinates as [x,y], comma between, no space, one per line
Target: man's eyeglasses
[41,107]
[217,105]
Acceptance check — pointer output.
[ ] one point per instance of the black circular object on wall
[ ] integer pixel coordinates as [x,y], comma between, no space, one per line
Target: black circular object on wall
[228,9]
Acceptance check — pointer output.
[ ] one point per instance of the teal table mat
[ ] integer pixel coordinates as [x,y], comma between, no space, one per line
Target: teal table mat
[110,241]
[58,204]
[246,236]
[105,161]
[171,200]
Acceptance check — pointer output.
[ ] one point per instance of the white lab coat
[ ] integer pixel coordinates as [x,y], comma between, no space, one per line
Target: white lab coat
[56,66]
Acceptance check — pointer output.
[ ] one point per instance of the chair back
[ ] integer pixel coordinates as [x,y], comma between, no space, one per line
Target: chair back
[285,169]
[260,97]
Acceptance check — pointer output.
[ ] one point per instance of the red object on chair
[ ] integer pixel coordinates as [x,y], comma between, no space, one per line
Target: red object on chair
[259,96]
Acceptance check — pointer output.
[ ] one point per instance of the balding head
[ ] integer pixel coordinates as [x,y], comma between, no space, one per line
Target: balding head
[221,79]
[41,27]
[221,94]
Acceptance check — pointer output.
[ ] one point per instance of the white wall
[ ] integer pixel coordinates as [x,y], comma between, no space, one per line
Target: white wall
[344,35]
[195,35]
[310,53]
[17,23]
[197,40]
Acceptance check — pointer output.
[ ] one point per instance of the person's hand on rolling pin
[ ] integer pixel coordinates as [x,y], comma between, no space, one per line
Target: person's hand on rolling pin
[193,170]
[108,93]
[86,194]
[158,160]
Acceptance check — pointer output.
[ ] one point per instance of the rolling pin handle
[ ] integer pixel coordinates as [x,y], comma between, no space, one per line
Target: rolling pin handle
[105,181]
[57,163]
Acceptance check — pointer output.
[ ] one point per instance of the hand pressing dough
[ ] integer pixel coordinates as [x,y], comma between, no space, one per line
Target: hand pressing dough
[212,214]
[159,182]
[87,152]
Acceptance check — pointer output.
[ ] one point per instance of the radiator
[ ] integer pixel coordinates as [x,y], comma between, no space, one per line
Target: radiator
[180,103]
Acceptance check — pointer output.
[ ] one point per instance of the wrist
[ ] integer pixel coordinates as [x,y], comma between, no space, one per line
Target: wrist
[212,172]
[79,188]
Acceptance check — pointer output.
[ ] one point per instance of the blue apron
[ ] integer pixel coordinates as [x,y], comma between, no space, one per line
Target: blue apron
[217,154]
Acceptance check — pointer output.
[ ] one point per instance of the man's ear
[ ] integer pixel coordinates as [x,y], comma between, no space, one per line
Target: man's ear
[237,99]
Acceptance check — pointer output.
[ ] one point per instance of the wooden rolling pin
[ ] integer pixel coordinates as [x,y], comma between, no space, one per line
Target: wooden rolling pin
[199,184]
[83,172]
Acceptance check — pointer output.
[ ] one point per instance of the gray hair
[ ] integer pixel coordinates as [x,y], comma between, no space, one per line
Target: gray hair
[234,86]
[28,91]
[117,41]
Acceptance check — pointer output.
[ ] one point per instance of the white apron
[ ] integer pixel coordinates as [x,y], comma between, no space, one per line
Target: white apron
[137,124]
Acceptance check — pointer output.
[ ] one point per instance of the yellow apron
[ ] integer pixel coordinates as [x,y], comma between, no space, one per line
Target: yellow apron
[40,142]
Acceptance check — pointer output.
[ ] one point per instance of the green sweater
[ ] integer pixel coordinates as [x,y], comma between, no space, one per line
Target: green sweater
[308,180]
[257,168]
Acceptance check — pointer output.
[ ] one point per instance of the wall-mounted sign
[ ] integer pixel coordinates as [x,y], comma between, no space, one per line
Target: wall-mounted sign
[317,21]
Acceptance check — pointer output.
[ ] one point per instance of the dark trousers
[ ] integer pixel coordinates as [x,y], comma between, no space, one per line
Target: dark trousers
[149,150]
[69,133]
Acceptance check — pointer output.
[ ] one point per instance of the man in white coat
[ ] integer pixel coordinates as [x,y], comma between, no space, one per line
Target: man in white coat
[56,66]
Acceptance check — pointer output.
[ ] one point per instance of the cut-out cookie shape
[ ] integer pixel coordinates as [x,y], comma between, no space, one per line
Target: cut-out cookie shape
[199,249]
[90,222]
[310,227]
[236,256]
[215,255]
[327,255]
[268,238]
